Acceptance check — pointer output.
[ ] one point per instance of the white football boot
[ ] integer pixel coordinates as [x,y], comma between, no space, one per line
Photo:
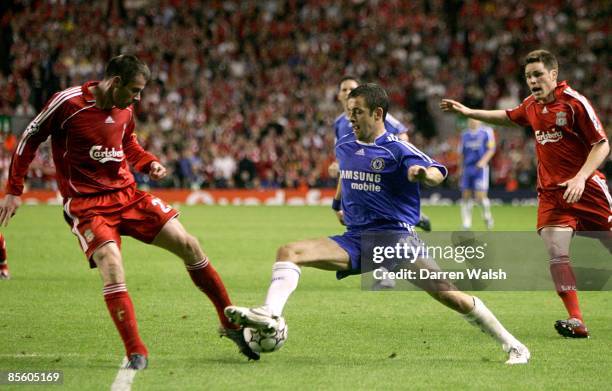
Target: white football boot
[259,318]
[518,354]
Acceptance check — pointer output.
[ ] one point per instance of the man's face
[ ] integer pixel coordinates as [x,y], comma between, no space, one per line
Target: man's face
[125,95]
[541,81]
[345,89]
[363,122]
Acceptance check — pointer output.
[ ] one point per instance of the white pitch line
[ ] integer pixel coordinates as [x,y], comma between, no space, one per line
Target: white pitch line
[124,379]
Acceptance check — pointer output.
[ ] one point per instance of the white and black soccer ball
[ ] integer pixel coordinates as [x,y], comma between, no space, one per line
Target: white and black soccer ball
[261,342]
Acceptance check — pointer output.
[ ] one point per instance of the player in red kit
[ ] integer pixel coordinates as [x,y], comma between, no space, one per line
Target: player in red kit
[93,140]
[572,194]
[4,270]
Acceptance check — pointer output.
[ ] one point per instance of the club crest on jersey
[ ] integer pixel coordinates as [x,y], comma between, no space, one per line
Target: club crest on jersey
[548,137]
[89,235]
[106,155]
[561,119]
[377,164]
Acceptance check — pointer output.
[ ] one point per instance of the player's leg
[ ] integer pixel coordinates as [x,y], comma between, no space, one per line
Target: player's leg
[108,260]
[4,270]
[174,238]
[322,253]
[475,312]
[485,203]
[466,209]
[557,241]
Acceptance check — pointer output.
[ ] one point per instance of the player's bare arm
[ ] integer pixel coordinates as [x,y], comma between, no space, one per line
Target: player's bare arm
[575,186]
[430,176]
[9,207]
[497,117]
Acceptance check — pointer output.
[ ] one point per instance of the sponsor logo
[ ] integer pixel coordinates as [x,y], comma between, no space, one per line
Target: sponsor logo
[561,119]
[109,120]
[106,155]
[377,164]
[548,137]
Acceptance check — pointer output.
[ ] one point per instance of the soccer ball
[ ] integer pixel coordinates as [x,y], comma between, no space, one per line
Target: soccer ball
[266,342]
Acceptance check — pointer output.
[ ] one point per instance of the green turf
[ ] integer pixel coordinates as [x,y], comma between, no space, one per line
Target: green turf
[52,315]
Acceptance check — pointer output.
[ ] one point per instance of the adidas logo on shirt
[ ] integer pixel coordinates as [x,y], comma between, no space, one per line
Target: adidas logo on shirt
[109,120]
[545,111]
[361,152]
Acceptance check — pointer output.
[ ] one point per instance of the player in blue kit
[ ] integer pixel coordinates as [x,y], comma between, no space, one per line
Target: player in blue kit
[380,179]
[343,128]
[476,150]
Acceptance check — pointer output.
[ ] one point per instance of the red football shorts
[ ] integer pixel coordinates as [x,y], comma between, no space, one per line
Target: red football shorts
[593,212]
[100,219]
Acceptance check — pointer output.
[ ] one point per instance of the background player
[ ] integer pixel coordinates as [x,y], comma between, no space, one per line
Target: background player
[92,136]
[476,150]
[399,167]
[572,194]
[4,270]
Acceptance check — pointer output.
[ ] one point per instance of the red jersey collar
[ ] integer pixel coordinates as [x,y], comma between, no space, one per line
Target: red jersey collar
[89,97]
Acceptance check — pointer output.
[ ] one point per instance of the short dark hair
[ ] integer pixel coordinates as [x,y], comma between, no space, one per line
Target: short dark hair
[126,66]
[375,96]
[543,56]
[347,77]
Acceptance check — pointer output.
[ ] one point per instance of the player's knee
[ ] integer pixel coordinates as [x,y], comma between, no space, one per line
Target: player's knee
[109,263]
[190,247]
[287,253]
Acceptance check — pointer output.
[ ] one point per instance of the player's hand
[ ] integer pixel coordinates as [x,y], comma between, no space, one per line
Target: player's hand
[8,208]
[340,216]
[574,189]
[333,170]
[452,106]
[480,164]
[157,171]
[417,173]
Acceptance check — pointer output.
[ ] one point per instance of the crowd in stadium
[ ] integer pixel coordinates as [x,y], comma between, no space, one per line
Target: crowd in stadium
[243,92]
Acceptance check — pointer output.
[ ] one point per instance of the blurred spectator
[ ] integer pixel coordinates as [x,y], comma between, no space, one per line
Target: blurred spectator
[260,76]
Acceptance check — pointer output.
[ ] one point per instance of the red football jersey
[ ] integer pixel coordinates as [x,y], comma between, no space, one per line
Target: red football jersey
[565,131]
[90,145]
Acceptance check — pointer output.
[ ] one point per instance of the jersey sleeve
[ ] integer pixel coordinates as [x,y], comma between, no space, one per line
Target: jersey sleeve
[37,131]
[490,139]
[586,121]
[518,115]
[136,155]
[413,156]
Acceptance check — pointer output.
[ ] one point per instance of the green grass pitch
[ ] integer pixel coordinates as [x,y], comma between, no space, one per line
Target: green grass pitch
[52,315]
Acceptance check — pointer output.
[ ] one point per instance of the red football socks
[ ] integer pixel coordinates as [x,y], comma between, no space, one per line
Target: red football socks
[206,278]
[121,310]
[2,249]
[565,283]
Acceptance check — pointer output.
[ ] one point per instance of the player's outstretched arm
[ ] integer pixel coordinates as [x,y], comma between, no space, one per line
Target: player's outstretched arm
[8,207]
[430,176]
[497,117]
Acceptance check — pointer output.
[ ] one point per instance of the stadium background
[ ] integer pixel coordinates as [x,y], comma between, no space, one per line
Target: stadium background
[243,92]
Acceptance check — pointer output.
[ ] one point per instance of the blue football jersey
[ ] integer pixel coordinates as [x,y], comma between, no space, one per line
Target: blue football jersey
[374,181]
[474,144]
[342,126]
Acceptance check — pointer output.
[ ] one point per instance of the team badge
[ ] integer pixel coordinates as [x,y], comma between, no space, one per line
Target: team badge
[561,119]
[377,164]
[89,236]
